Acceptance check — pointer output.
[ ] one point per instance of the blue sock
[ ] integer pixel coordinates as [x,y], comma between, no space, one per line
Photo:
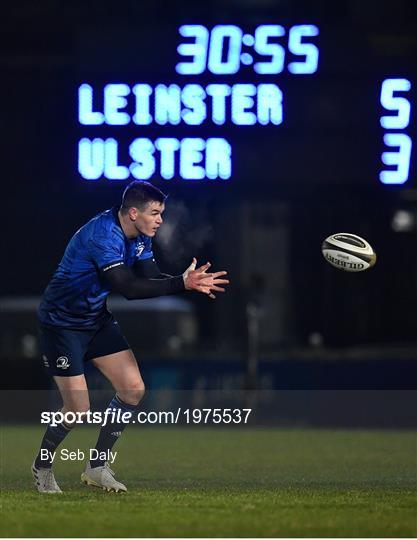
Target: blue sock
[111,431]
[54,435]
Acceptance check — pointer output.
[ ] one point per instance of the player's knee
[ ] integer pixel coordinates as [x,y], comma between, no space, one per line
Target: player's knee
[134,393]
[137,392]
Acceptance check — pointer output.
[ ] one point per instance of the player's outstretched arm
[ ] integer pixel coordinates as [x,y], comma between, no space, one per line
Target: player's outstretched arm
[198,279]
[121,279]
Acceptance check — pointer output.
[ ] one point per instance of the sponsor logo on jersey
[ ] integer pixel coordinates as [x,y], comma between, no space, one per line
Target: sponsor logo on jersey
[62,362]
[45,360]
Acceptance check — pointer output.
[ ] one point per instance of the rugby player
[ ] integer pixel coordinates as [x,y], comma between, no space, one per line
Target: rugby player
[111,253]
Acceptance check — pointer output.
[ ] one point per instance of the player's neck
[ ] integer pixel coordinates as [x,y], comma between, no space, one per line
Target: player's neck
[128,227]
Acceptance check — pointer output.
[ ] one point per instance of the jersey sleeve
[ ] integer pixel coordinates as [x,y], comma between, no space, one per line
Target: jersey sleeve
[147,252]
[106,251]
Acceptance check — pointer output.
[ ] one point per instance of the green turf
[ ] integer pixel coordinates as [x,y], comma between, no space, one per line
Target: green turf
[208,482]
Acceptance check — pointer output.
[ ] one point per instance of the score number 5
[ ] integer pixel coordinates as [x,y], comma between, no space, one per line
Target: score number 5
[401,157]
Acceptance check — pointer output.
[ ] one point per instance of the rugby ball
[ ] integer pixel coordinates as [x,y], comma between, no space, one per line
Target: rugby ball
[348,252]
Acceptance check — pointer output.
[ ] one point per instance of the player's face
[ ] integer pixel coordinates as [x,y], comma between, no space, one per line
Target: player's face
[149,220]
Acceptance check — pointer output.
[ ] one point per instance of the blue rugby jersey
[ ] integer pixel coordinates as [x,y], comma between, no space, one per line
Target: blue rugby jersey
[76,295]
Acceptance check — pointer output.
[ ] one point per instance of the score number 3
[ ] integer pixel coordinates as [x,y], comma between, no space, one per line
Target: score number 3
[401,120]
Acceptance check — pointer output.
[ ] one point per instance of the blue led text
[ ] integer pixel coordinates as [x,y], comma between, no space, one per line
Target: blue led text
[398,159]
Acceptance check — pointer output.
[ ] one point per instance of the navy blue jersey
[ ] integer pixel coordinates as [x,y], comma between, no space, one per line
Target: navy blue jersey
[76,295]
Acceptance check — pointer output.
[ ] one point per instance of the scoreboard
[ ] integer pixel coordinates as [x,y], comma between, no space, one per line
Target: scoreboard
[266,103]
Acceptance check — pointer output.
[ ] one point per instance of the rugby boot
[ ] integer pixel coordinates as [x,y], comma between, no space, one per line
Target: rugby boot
[45,480]
[101,477]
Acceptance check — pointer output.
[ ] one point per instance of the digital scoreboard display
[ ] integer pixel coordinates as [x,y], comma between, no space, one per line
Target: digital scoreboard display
[272,102]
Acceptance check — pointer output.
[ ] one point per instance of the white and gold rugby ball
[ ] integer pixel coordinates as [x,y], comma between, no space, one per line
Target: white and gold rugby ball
[348,252]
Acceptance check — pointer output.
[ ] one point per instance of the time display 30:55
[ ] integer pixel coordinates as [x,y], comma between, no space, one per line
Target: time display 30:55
[219,50]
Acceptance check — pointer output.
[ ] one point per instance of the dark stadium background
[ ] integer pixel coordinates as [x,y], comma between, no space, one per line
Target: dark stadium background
[288,321]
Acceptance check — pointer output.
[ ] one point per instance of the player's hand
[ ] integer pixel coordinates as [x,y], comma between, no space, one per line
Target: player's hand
[197,279]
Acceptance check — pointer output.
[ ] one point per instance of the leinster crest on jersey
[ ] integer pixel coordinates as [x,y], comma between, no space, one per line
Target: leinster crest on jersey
[139,249]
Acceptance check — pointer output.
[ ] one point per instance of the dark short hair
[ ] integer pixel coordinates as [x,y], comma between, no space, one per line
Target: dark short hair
[139,193]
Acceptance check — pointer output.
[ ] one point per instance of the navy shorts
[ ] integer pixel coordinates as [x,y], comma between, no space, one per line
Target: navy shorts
[65,351]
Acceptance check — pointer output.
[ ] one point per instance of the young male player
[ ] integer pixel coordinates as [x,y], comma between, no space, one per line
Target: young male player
[111,253]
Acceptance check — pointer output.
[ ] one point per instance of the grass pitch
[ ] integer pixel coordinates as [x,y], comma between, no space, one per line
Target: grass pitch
[220,483]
